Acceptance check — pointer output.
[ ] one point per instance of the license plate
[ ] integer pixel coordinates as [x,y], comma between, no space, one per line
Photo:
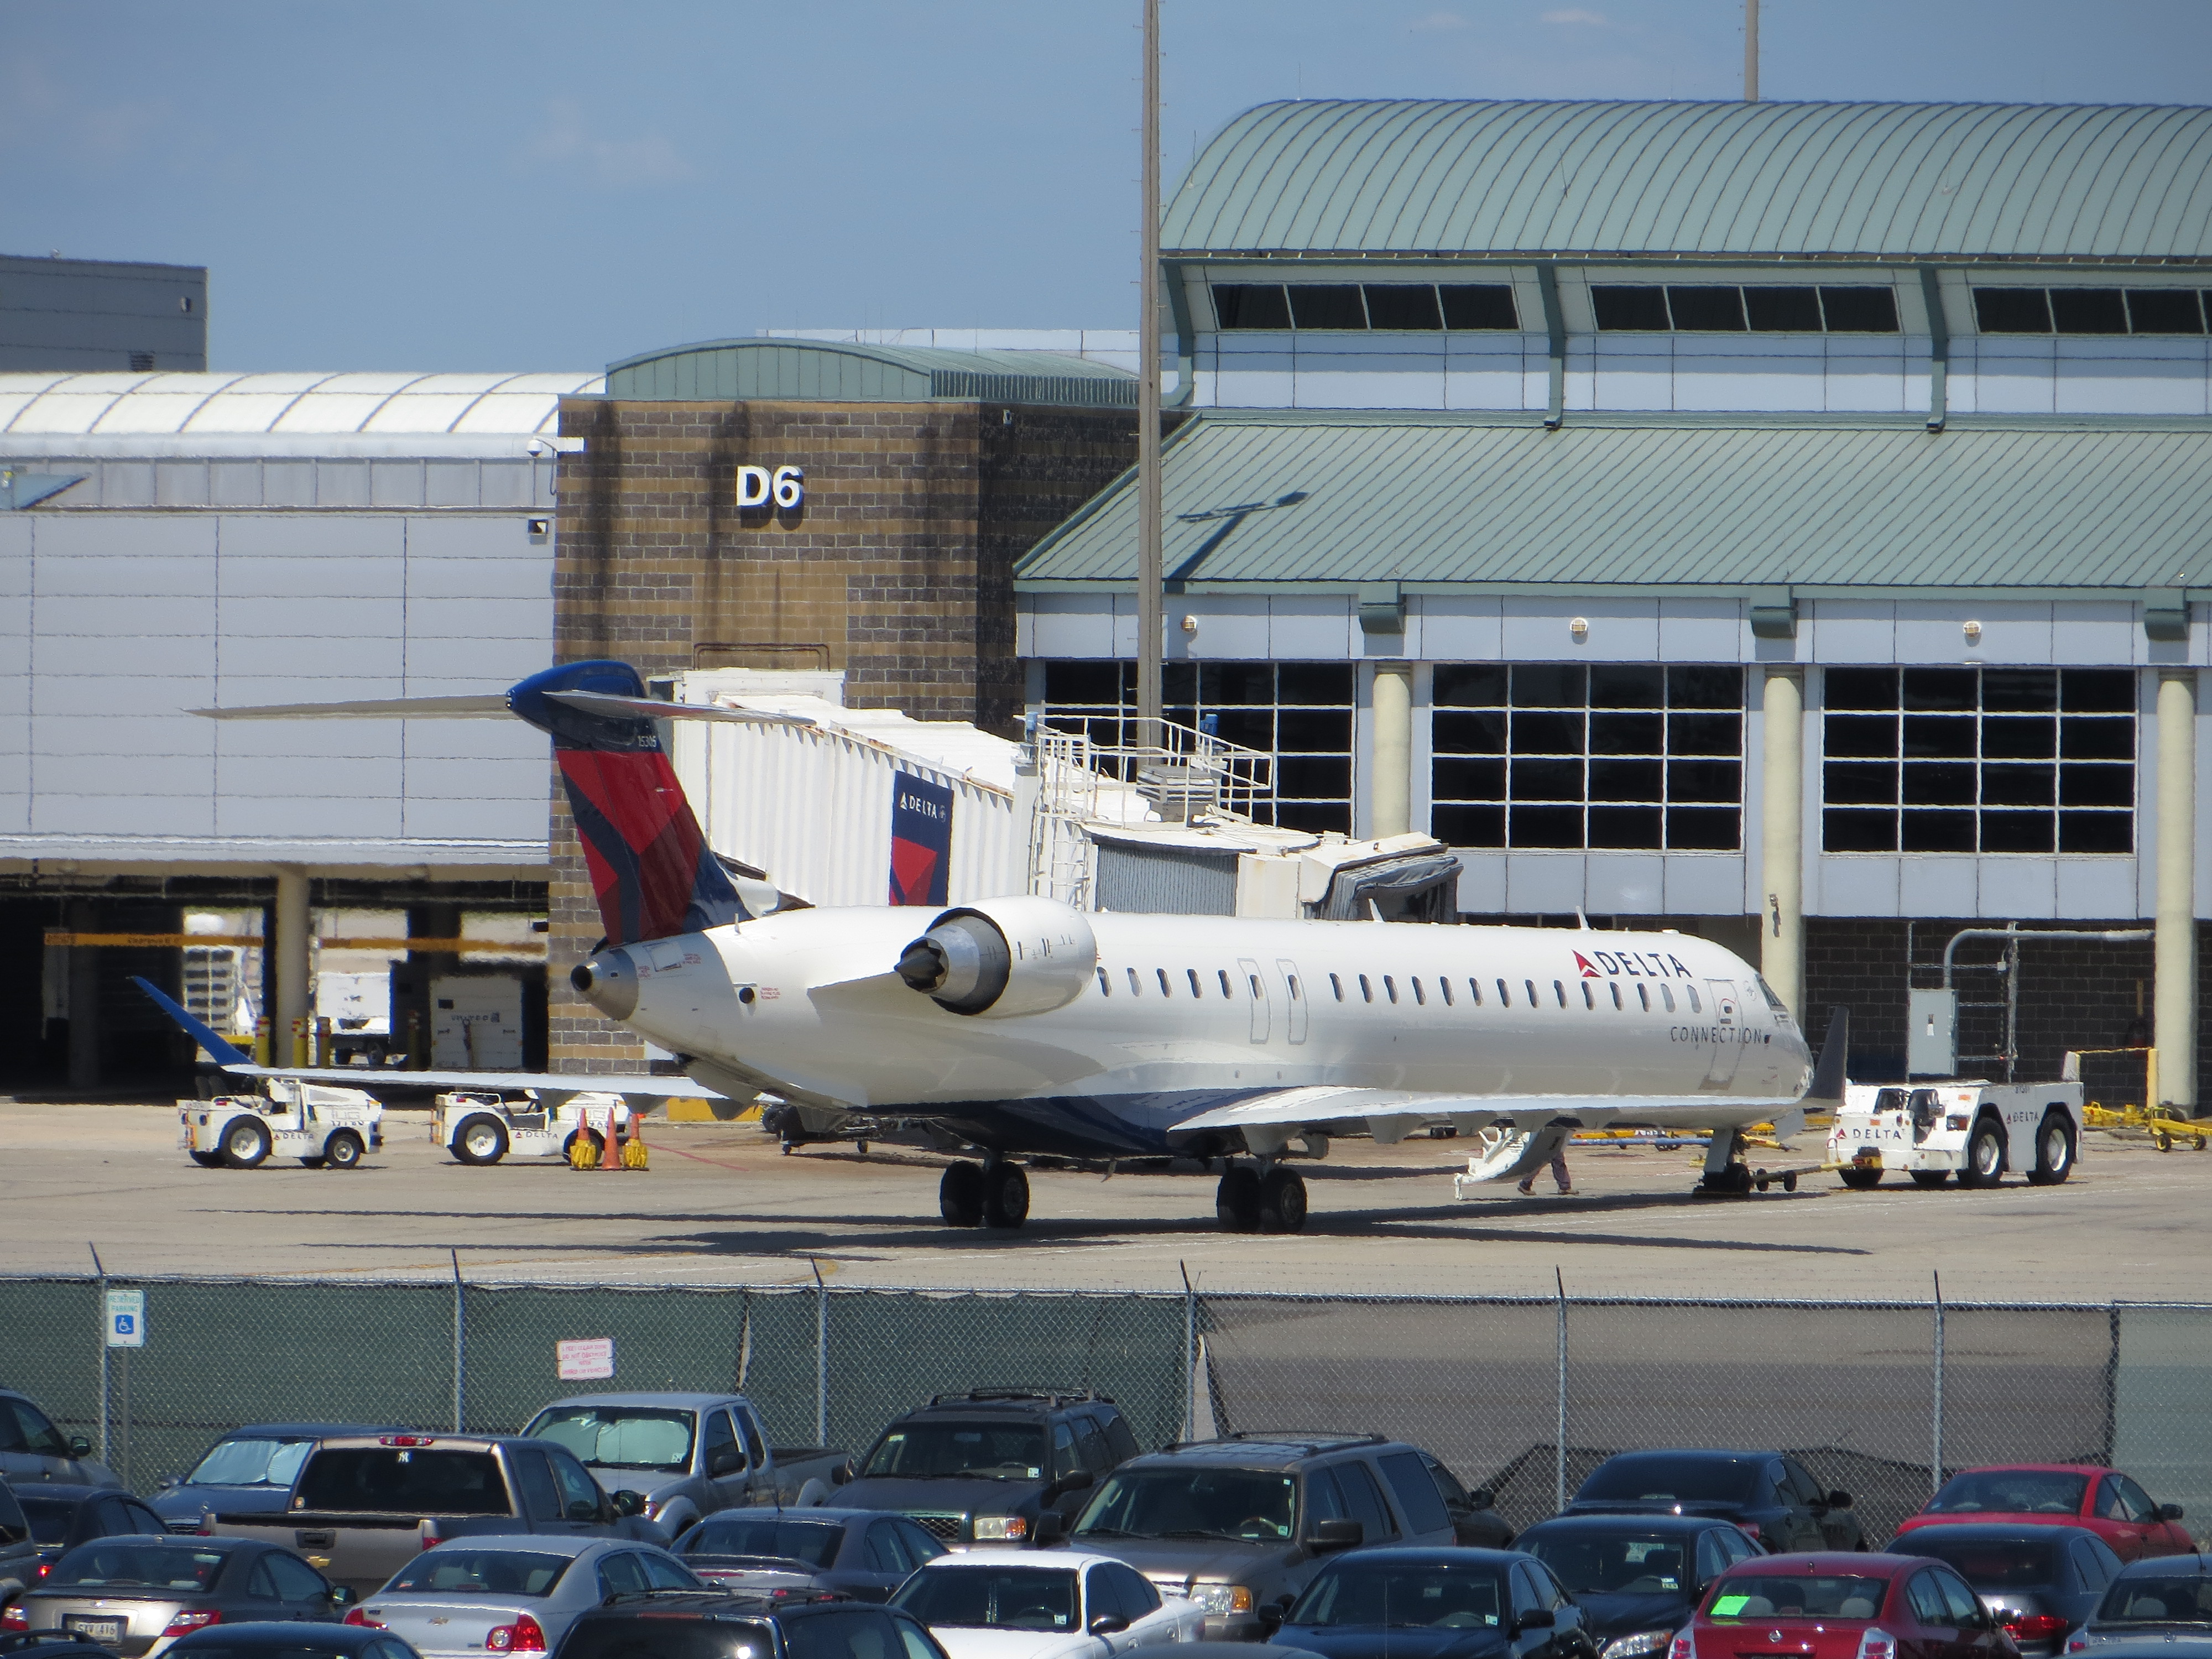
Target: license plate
[101,1630]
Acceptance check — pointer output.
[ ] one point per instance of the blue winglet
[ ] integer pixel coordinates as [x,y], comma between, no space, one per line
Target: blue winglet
[225,1053]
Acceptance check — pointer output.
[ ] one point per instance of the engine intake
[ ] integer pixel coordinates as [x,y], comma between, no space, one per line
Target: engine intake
[1002,957]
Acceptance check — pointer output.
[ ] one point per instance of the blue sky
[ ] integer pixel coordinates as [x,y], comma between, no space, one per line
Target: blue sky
[479,185]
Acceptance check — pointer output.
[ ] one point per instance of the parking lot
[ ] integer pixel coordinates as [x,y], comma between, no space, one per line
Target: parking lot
[720,1203]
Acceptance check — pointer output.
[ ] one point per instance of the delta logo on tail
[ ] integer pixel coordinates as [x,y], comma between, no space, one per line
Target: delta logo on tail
[921,840]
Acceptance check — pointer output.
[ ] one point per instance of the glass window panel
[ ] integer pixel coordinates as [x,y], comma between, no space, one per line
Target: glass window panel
[1468,826]
[1703,829]
[1313,681]
[2020,690]
[1083,682]
[1627,734]
[2097,740]
[1934,830]
[1938,783]
[1454,779]
[1633,308]
[1469,732]
[1942,691]
[1859,688]
[1860,309]
[1308,729]
[2018,832]
[1550,686]
[1939,737]
[1250,305]
[1313,776]
[1627,826]
[1706,310]
[1548,779]
[1855,829]
[1704,734]
[1470,685]
[1545,826]
[2018,786]
[2165,311]
[1704,781]
[1856,783]
[1235,681]
[2020,736]
[1870,737]
[2098,690]
[1705,686]
[2096,832]
[1253,728]
[1317,817]
[1782,310]
[1547,732]
[1179,682]
[1402,305]
[1327,305]
[1182,714]
[1622,685]
[1479,305]
[1627,779]
[2096,785]
[2012,311]
[2089,311]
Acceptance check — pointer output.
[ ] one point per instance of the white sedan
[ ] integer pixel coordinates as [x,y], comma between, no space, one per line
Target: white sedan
[1027,1604]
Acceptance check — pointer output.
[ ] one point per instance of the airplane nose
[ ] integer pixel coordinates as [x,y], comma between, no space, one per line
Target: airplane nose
[608,982]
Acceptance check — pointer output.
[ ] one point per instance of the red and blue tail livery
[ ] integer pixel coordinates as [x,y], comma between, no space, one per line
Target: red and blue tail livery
[651,866]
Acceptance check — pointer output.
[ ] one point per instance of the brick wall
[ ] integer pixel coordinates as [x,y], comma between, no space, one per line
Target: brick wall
[898,570]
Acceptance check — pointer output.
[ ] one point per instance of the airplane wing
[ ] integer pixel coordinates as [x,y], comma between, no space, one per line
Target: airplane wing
[1400,1109]
[237,1063]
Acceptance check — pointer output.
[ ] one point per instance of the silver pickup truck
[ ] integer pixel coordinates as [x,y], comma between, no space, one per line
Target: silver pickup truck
[365,1505]
[687,1454]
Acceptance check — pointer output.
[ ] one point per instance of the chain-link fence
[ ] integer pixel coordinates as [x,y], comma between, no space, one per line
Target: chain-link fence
[1525,1395]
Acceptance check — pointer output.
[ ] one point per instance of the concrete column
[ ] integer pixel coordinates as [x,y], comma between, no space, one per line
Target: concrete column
[83,999]
[1390,778]
[1781,841]
[2175,943]
[294,994]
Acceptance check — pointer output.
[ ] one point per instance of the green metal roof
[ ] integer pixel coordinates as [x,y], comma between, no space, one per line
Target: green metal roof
[835,372]
[1889,180]
[1288,497]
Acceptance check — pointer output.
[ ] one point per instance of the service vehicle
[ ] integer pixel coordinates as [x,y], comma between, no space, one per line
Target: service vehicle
[1016,1604]
[2100,1500]
[1435,1604]
[1826,1606]
[136,1596]
[1977,1130]
[322,1126]
[687,1455]
[365,1505]
[2043,1583]
[482,1126]
[519,1595]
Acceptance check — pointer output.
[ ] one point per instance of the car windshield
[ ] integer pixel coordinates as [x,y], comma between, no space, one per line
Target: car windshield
[1432,1595]
[1795,1595]
[1987,1564]
[991,1598]
[814,1542]
[620,1436]
[392,1479]
[994,1451]
[1667,1480]
[252,1463]
[1620,1564]
[50,1517]
[455,1571]
[2180,1599]
[2010,1492]
[1194,1502]
[113,1564]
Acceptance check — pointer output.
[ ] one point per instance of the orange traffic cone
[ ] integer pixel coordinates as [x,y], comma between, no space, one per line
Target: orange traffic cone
[610,1153]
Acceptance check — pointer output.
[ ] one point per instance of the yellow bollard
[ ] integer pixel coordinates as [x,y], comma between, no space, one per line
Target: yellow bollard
[323,1043]
[300,1039]
[261,1041]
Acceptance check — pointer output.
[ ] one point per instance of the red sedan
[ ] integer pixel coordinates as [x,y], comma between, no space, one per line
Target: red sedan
[2107,1503]
[1842,1606]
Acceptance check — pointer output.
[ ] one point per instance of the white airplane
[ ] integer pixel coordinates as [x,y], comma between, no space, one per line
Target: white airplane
[1020,1026]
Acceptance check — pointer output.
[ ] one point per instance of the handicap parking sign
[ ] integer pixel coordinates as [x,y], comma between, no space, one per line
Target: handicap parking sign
[126,1319]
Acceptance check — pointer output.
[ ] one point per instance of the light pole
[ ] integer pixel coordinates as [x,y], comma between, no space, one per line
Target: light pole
[1150,618]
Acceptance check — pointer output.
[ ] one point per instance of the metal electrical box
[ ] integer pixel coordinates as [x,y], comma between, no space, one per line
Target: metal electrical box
[1931,1042]
[475,1023]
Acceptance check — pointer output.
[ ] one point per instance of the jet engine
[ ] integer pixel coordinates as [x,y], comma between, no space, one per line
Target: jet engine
[1003,956]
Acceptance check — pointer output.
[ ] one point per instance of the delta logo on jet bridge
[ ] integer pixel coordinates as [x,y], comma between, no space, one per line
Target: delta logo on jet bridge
[1636,964]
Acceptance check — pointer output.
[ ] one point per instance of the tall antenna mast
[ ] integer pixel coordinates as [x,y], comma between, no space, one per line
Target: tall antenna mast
[1150,618]
[1750,51]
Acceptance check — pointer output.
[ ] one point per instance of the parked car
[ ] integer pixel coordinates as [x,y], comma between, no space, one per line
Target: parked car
[723,1626]
[63,1516]
[50,1645]
[2043,1583]
[1831,1605]
[513,1594]
[2102,1501]
[687,1455]
[32,1448]
[19,1551]
[862,1554]
[1431,1603]
[288,1640]
[981,1467]
[1475,1520]
[137,1595]
[368,1504]
[1018,1604]
[2159,1605]
[1636,1578]
[1770,1493]
[1240,1523]
[249,1471]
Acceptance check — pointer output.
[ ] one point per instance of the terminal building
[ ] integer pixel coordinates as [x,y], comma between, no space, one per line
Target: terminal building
[1787,523]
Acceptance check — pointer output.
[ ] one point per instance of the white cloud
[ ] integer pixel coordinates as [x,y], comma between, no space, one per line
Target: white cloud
[640,162]
[1437,21]
[1574,15]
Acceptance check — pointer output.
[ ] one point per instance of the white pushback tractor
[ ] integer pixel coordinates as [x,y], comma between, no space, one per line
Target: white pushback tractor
[322,1125]
[1973,1129]
[482,1126]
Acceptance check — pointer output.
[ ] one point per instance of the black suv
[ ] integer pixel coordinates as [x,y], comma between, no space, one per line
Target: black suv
[979,1467]
[1243,1522]
[1768,1493]
[674,1624]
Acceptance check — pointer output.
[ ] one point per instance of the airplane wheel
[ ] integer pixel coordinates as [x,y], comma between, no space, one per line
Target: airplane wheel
[1283,1202]
[2054,1150]
[960,1195]
[1006,1197]
[245,1143]
[207,1160]
[1237,1200]
[480,1140]
[344,1150]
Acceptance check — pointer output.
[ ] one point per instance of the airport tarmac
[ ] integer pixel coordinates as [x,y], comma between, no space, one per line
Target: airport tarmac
[721,1203]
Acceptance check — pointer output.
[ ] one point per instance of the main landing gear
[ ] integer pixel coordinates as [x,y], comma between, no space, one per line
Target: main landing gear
[994,1194]
[1249,1201]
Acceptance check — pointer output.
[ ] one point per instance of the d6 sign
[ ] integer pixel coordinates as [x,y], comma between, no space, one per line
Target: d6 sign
[786,486]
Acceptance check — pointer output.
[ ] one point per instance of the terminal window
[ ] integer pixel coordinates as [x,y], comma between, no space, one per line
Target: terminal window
[1298,711]
[1419,307]
[1978,760]
[2089,311]
[1754,308]
[1560,755]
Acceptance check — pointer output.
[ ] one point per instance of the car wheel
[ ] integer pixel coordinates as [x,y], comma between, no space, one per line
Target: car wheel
[207,1160]
[1930,1178]
[1282,1201]
[2054,1150]
[1006,1197]
[960,1195]
[245,1143]
[480,1140]
[344,1150]
[1985,1155]
[1237,1200]
[1859,1179]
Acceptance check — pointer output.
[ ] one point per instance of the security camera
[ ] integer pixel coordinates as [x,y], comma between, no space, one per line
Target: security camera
[536,447]
[541,526]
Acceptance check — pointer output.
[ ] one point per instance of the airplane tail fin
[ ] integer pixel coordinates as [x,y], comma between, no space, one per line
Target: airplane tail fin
[650,864]
[220,1051]
[1832,1070]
